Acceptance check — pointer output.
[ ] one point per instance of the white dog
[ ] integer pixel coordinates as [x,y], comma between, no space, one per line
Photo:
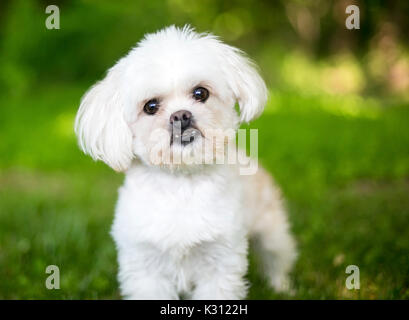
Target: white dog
[182,227]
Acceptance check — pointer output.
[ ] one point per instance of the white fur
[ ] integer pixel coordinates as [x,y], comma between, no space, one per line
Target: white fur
[183,228]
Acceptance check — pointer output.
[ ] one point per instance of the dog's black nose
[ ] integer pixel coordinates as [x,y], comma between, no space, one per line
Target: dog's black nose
[184,116]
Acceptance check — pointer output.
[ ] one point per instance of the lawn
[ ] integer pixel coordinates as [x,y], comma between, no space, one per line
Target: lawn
[343,165]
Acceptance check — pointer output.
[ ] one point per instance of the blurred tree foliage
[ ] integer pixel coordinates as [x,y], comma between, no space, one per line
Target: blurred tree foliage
[94,34]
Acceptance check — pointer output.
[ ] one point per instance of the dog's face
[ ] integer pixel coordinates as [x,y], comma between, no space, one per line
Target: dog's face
[169,102]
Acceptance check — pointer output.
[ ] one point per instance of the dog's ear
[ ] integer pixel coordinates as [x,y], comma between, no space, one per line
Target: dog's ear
[247,85]
[100,125]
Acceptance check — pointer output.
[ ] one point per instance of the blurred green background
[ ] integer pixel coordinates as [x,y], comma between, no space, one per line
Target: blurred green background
[334,134]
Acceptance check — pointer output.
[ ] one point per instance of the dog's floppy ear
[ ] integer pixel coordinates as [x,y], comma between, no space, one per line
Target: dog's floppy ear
[100,125]
[247,85]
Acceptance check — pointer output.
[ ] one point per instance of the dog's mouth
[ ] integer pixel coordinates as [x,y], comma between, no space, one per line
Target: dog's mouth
[184,136]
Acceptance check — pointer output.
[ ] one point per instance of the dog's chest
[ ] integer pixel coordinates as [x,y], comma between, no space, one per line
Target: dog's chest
[176,212]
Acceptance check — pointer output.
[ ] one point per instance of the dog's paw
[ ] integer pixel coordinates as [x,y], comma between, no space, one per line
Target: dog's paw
[282,284]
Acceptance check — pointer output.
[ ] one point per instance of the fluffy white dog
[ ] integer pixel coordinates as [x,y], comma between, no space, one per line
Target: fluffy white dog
[181,227]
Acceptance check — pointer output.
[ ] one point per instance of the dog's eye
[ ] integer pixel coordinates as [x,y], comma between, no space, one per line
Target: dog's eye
[200,94]
[151,106]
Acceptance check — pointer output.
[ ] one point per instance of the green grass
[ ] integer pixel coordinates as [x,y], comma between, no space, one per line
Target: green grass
[344,175]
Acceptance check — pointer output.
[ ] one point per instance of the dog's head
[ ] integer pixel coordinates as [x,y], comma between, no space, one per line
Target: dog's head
[174,93]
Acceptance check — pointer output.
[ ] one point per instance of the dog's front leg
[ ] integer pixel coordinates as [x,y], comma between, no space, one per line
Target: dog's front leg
[141,278]
[220,272]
